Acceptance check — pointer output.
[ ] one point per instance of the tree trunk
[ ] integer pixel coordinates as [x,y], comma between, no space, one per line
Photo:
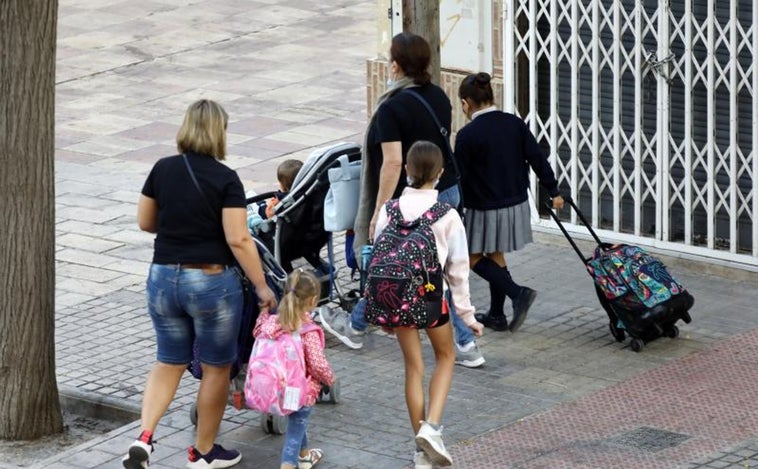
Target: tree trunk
[422,17]
[29,405]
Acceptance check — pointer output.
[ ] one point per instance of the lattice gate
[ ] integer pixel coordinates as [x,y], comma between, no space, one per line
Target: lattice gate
[649,109]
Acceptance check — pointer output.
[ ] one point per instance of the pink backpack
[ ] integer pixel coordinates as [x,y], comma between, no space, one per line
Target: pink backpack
[276,380]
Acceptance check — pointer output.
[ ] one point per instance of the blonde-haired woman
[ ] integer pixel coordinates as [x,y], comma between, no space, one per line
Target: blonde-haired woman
[196,207]
[302,293]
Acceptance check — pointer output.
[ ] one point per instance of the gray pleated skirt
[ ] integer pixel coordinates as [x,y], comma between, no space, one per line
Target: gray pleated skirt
[501,230]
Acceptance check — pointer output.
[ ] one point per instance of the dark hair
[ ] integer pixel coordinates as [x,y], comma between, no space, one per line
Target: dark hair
[286,173]
[477,88]
[424,163]
[413,55]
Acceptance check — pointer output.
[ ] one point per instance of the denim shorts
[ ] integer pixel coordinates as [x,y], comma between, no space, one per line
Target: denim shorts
[185,304]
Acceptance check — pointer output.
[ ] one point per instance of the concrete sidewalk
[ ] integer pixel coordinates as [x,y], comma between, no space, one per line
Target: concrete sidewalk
[560,393]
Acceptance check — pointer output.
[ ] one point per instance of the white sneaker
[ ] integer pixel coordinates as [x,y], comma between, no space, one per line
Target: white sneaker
[421,460]
[430,440]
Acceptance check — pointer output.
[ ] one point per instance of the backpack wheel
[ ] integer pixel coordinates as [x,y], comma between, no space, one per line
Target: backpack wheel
[617,333]
[193,413]
[273,424]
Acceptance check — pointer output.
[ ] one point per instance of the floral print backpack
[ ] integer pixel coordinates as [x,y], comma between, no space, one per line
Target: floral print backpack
[404,280]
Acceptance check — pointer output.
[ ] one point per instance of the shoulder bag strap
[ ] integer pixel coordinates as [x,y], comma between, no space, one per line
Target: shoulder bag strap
[443,131]
[197,185]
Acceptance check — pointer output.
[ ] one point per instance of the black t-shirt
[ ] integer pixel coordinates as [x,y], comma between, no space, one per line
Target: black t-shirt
[187,230]
[403,119]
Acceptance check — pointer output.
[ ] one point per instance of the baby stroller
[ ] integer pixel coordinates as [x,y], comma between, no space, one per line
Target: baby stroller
[641,297]
[296,230]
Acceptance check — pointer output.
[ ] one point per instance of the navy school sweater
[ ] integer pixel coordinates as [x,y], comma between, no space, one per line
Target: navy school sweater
[494,153]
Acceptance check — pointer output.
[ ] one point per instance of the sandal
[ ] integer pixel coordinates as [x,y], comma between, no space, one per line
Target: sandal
[313,458]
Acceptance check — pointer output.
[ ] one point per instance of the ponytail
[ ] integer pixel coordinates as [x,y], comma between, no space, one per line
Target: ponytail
[300,289]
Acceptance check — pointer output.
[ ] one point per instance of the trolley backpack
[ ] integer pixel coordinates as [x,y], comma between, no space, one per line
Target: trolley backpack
[637,291]
[276,376]
[404,278]
[630,276]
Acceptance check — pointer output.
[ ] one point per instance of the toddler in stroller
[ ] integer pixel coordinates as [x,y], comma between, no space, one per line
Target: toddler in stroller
[296,229]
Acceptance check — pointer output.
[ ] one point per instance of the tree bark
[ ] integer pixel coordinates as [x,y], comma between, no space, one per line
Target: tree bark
[29,404]
[422,17]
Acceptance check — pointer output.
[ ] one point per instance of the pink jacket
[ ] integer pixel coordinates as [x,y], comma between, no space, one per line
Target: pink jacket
[317,368]
[452,247]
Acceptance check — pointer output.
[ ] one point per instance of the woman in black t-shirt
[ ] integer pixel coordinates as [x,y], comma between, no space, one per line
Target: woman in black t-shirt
[196,207]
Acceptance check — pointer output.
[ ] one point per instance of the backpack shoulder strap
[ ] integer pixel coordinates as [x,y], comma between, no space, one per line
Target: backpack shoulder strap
[435,212]
[393,211]
[311,327]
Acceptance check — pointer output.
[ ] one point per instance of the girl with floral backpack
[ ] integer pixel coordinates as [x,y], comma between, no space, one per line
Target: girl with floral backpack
[401,220]
[293,319]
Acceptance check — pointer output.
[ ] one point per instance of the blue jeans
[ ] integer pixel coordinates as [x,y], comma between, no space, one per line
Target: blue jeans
[463,334]
[185,304]
[295,439]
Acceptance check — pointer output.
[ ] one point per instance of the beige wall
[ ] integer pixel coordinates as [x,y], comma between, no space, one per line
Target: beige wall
[377,73]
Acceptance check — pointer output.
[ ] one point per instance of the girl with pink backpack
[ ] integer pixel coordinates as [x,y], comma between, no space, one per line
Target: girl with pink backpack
[293,330]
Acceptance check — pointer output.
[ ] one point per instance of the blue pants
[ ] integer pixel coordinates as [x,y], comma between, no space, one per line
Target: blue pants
[295,439]
[185,304]
[463,334]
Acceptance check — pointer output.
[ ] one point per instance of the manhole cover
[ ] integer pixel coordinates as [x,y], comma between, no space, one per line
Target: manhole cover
[649,439]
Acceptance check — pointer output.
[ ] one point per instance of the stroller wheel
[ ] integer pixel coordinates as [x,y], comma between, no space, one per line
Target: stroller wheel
[330,394]
[637,345]
[193,414]
[617,333]
[673,332]
[273,424]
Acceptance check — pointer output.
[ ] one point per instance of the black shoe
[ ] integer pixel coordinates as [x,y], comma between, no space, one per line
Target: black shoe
[496,323]
[521,306]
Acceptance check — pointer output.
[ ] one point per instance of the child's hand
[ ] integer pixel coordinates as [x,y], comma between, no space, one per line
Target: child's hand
[270,204]
[477,328]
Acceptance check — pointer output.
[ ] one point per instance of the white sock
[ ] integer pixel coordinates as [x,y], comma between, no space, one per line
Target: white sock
[469,346]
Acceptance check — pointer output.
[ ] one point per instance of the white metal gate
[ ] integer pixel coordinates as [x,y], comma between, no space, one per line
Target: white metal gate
[649,109]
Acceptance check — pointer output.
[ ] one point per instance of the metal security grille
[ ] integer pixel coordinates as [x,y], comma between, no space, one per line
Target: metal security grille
[649,110]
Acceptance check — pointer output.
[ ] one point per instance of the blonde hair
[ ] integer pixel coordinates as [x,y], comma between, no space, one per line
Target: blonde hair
[204,129]
[302,287]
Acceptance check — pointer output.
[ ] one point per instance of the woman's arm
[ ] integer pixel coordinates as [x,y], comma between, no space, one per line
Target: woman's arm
[147,214]
[389,175]
[234,221]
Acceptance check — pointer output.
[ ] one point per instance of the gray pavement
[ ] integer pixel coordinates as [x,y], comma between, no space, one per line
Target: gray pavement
[292,76]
